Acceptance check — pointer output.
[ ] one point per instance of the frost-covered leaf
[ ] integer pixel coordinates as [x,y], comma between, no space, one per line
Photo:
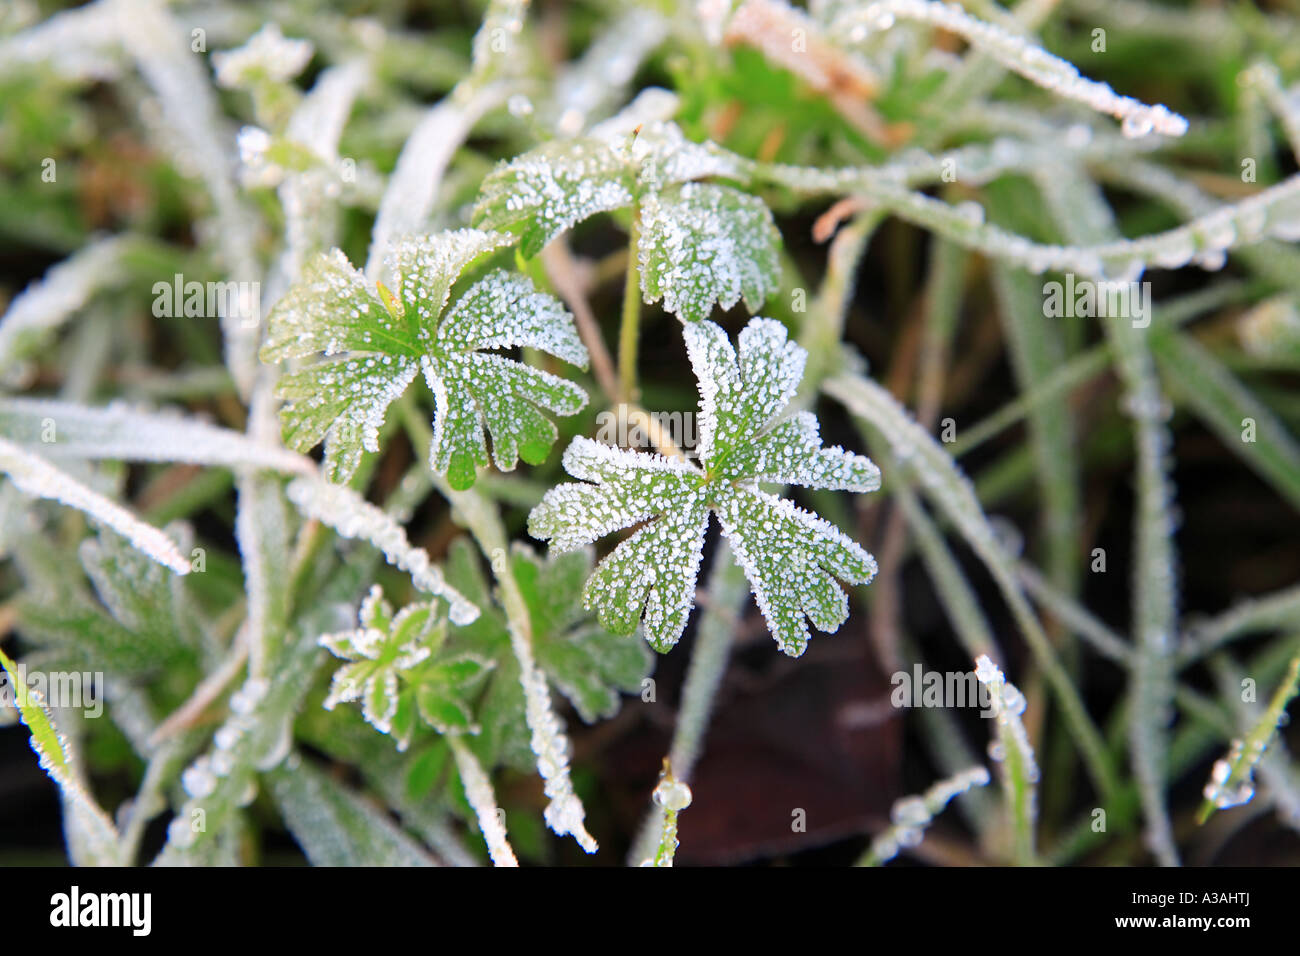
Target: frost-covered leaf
[144,621]
[121,432]
[92,838]
[33,475]
[554,187]
[558,185]
[582,660]
[336,827]
[35,313]
[397,670]
[585,662]
[701,243]
[375,342]
[790,556]
[471,386]
[481,798]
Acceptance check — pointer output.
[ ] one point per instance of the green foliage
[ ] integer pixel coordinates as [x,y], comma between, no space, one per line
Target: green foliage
[138,621]
[387,337]
[790,556]
[556,186]
[157,526]
[702,244]
[586,663]
[398,670]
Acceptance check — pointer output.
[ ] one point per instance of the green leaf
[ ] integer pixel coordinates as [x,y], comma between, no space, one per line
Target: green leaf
[380,650]
[554,187]
[702,244]
[143,623]
[587,664]
[336,827]
[375,342]
[470,386]
[398,669]
[1228,408]
[92,838]
[791,557]
[45,740]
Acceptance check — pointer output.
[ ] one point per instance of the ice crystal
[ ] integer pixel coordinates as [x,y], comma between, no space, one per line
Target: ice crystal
[396,670]
[376,341]
[1015,53]
[701,243]
[791,557]
[564,812]
[267,56]
[561,183]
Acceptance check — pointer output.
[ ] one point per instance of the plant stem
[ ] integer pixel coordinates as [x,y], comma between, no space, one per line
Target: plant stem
[1245,755]
[629,331]
[565,813]
[726,589]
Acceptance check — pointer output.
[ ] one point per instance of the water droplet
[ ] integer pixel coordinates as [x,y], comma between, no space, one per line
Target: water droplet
[198,780]
[672,794]
[970,212]
[1175,252]
[1135,125]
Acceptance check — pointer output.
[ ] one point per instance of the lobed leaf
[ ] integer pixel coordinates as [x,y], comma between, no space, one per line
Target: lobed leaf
[703,244]
[790,557]
[558,185]
[384,337]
